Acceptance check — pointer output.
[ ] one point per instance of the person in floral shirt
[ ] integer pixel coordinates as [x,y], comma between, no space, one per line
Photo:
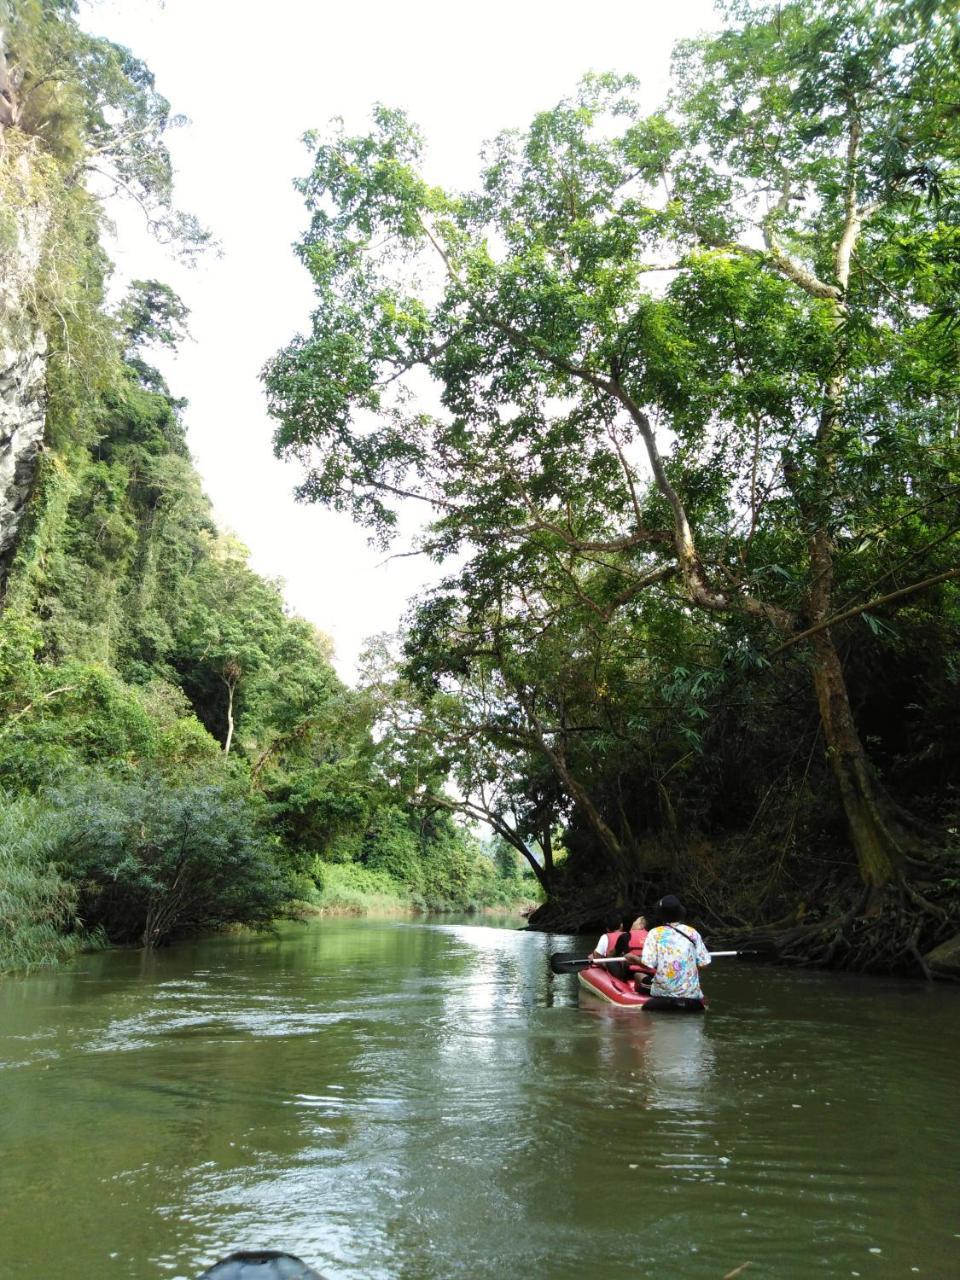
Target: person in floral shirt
[676,953]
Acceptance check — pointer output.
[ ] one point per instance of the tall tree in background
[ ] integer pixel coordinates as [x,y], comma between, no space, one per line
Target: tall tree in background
[92,105]
[705,355]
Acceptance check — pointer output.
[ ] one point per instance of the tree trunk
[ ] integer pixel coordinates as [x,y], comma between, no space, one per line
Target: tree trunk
[546,844]
[609,842]
[878,849]
[230,689]
[544,874]
[9,110]
[607,837]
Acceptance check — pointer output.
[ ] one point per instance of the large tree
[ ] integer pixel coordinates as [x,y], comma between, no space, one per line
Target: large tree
[709,350]
[93,107]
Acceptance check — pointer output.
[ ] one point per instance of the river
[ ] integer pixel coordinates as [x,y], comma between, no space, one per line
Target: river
[425,1100]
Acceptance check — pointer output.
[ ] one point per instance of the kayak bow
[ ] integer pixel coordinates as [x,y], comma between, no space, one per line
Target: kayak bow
[600,982]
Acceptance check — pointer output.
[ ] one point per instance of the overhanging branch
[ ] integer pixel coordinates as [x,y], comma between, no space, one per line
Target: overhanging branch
[875,603]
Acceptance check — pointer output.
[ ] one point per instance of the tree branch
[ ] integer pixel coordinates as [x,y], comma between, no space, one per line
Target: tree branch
[66,688]
[832,621]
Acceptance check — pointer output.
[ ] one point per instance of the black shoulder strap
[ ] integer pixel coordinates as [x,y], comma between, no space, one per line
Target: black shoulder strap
[683,935]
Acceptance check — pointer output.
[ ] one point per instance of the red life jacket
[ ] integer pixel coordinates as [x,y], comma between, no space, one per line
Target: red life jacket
[634,943]
[637,939]
[612,938]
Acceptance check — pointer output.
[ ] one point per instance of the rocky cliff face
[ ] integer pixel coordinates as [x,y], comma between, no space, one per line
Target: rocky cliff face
[22,369]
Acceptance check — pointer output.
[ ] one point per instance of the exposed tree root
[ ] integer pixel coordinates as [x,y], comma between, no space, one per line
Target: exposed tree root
[889,932]
[858,928]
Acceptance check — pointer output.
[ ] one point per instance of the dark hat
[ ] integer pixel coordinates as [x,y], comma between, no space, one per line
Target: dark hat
[670,905]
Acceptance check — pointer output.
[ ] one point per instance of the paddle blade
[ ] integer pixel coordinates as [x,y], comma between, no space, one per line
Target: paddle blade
[569,962]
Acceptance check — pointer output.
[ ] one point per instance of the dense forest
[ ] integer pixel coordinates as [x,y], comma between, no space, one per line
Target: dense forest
[690,455]
[692,465]
[176,750]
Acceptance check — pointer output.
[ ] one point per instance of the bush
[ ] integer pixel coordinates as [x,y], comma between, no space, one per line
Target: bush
[154,861]
[350,889]
[391,845]
[37,906]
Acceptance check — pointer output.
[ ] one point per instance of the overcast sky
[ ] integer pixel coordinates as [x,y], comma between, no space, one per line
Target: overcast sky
[253,78]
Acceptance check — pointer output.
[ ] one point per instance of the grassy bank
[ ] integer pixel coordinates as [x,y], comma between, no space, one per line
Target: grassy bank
[350,890]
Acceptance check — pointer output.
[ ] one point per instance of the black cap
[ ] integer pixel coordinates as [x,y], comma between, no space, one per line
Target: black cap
[670,905]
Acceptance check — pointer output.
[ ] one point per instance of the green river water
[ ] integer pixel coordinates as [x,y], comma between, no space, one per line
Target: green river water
[425,1100]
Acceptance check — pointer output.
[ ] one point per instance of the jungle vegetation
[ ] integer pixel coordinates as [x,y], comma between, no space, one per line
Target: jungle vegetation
[689,451]
[176,750]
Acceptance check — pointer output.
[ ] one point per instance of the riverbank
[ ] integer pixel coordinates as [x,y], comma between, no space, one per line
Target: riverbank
[819,916]
[349,890]
[38,929]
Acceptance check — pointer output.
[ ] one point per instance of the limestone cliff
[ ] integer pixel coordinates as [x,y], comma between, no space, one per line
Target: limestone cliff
[22,350]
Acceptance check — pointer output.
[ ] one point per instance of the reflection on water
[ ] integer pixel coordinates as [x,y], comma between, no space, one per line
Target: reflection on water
[413,1100]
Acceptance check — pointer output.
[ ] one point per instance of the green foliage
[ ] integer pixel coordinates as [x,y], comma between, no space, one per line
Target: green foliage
[147,675]
[353,889]
[698,394]
[92,106]
[152,315]
[455,874]
[153,861]
[390,845]
[434,858]
[37,905]
[81,714]
[408,863]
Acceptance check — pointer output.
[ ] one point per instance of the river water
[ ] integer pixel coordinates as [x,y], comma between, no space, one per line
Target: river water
[423,1101]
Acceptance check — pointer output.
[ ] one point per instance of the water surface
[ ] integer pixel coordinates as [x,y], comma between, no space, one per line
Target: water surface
[412,1100]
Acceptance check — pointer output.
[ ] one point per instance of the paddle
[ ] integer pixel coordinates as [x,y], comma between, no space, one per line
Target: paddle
[570,962]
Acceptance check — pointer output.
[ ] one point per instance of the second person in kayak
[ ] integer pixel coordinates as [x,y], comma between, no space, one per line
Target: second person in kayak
[675,952]
[629,945]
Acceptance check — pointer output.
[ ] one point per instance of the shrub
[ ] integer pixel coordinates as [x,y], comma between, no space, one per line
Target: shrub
[153,861]
[37,906]
[350,889]
[391,845]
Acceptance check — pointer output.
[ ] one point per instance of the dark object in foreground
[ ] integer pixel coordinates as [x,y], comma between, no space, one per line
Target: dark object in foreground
[674,1004]
[262,1265]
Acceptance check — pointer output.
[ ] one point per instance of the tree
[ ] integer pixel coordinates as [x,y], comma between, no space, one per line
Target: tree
[151,314]
[722,440]
[234,626]
[467,735]
[93,107]
[153,861]
[38,922]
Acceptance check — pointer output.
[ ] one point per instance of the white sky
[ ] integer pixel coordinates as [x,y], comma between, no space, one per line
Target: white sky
[253,78]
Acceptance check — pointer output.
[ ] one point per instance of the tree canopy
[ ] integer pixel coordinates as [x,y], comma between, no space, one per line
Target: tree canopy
[177,751]
[689,371]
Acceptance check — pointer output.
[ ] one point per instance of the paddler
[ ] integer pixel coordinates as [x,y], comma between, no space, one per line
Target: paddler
[630,945]
[624,937]
[674,952]
[613,931]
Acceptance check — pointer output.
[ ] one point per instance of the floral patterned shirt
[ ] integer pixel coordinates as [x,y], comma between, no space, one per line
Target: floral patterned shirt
[675,951]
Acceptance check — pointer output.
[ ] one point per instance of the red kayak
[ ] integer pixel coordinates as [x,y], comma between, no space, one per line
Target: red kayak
[600,982]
